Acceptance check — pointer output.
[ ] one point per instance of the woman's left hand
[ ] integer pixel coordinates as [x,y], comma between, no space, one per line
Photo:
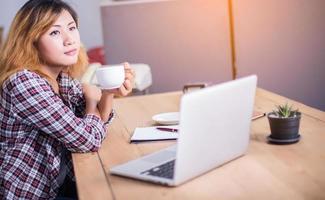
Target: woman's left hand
[126,87]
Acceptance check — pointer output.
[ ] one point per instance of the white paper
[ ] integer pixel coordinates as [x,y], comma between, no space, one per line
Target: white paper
[153,134]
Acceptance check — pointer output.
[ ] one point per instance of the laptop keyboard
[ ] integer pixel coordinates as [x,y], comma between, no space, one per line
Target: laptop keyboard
[165,170]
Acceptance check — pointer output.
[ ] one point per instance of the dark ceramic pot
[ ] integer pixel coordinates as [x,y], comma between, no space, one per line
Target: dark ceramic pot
[285,129]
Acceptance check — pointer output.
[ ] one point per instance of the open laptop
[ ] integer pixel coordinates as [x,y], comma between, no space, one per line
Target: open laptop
[214,129]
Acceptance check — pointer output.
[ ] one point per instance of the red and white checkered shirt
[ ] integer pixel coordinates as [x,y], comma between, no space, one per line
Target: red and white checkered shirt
[36,125]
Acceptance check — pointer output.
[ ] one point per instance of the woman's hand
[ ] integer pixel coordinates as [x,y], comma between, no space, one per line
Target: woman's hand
[126,87]
[91,92]
[92,96]
[105,104]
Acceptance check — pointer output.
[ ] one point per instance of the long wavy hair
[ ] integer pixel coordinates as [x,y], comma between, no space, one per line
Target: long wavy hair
[20,48]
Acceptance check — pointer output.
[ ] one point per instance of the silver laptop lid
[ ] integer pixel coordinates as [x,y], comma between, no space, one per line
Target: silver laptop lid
[214,126]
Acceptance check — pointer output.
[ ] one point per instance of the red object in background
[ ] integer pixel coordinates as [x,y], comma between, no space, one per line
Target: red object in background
[96,54]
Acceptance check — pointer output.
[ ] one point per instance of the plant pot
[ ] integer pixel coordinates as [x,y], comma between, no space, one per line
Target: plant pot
[284,130]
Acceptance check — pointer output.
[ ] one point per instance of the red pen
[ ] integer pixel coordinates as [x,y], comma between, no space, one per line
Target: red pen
[174,130]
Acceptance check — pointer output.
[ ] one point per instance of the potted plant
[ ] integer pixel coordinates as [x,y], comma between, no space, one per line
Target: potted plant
[284,124]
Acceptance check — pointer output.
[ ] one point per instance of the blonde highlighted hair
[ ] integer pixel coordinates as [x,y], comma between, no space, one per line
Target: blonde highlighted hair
[20,48]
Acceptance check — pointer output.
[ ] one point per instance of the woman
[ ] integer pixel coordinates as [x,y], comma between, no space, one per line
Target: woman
[45,113]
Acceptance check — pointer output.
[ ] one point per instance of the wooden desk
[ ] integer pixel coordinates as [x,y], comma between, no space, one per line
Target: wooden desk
[295,171]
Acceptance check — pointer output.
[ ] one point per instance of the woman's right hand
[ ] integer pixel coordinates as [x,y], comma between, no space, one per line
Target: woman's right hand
[92,96]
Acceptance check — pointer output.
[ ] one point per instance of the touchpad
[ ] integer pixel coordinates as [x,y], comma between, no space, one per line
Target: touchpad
[161,156]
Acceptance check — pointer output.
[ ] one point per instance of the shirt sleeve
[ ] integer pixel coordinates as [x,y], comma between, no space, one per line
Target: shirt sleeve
[78,99]
[35,103]
[75,94]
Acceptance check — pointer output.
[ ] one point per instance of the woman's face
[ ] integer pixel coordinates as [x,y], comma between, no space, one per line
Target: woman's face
[60,45]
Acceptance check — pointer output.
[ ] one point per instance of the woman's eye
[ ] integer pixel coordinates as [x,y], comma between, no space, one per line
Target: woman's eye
[56,32]
[72,28]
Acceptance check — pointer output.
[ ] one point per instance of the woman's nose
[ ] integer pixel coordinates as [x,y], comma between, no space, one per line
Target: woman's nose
[68,39]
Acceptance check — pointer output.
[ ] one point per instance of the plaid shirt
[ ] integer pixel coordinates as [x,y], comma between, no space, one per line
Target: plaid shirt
[36,126]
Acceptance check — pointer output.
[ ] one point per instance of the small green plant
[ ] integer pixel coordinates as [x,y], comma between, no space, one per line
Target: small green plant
[285,111]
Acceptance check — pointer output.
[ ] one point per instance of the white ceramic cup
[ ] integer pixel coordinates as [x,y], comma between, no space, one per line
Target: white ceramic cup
[110,77]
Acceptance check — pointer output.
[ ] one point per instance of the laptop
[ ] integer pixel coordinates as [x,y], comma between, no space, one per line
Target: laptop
[214,129]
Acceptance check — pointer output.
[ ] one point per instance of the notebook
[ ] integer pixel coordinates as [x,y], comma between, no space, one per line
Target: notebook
[213,130]
[147,134]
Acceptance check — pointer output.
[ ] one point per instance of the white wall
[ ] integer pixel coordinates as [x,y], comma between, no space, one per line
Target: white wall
[88,11]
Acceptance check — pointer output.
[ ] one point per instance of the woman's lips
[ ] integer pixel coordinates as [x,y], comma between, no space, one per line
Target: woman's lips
[71,52]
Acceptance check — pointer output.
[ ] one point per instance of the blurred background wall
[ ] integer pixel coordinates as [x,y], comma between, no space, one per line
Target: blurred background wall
[183,41]
[282,41]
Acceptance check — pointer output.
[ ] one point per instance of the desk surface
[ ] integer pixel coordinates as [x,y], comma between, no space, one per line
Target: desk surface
[295,171]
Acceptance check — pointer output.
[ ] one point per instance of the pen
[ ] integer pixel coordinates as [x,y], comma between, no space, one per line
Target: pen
[174,130]
[259,115]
